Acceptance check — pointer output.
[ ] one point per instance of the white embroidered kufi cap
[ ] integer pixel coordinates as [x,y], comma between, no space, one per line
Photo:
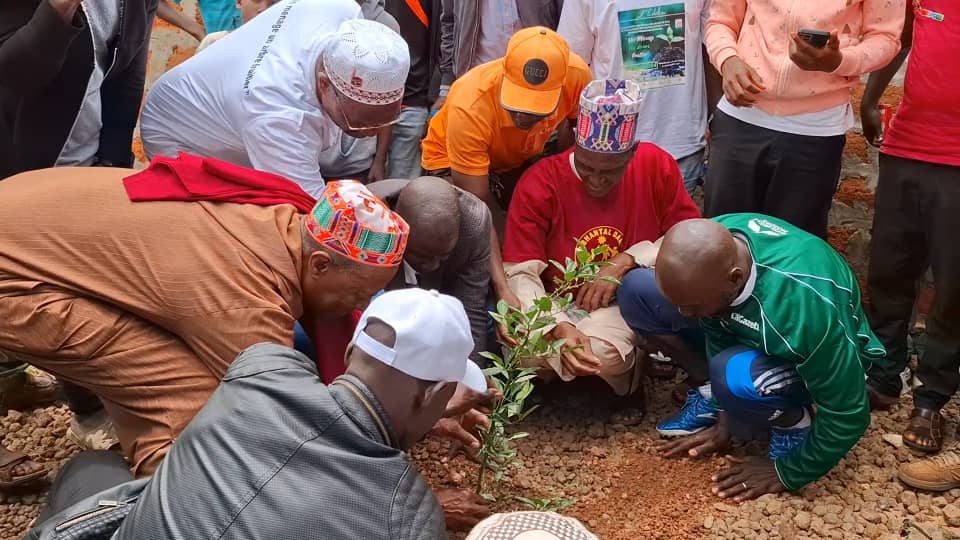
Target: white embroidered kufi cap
[367,62]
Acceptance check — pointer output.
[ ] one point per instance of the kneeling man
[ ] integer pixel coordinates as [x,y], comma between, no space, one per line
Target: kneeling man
[606,191]
[780,310]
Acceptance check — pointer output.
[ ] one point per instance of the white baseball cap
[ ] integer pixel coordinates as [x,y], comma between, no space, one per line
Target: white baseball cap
[433,340]
[367,62]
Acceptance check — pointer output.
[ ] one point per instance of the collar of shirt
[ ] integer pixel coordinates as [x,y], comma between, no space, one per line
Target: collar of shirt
[751,281]
[409,275]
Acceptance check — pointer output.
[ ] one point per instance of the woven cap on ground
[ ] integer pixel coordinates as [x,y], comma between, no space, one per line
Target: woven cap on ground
[367,62]
[530,526]
[350,220]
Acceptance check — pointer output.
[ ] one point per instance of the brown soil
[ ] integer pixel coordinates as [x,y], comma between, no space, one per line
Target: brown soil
[838,237]
[891,96]
[856,146]
[853,190]
[179,55]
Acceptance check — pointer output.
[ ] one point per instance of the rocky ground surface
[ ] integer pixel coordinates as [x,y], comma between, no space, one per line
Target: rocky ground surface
[610,477]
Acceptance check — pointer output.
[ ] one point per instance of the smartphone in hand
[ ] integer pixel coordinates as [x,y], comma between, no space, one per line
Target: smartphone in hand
[817,38]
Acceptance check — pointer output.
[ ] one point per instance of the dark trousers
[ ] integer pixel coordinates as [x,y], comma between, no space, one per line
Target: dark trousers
[753,169]
[84,475]
[916,224]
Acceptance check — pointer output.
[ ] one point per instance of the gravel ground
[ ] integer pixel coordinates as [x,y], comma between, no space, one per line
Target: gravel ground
[619,487]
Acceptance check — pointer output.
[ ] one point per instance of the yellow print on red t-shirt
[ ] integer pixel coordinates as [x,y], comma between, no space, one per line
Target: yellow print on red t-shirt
[611,237]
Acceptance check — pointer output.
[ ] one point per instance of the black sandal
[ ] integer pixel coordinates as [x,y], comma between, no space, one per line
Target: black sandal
[924,424]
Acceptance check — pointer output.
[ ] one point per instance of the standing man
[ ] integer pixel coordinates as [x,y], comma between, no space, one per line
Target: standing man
[917,216]
[606,191]
[146,303]
[780,310]
[778,134]
[280,90]
[658,45]
[497,120]
[71,81]
[420,28]
[473,32]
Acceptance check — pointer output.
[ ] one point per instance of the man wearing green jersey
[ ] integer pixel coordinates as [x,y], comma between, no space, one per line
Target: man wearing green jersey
[780,311]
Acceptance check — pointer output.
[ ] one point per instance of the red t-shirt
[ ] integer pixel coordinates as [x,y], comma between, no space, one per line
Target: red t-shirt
[550,208]
[927,124]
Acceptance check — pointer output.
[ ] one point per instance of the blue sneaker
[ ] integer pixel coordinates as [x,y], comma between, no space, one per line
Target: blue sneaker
[697,414]
[782,441]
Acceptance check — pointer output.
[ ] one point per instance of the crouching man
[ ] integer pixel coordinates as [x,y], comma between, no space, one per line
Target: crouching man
[606,191]
[780,310]
[338,447]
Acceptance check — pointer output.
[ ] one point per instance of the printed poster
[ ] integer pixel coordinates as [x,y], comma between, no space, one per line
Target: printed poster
[653,44]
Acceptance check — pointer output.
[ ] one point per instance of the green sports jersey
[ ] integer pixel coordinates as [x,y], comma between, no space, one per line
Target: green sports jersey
[804,309]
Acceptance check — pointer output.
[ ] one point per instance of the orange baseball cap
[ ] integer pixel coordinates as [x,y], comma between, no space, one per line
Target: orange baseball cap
[534,71]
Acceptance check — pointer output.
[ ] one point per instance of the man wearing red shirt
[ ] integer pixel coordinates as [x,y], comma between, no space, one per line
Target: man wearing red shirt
[917,218]
[605,191]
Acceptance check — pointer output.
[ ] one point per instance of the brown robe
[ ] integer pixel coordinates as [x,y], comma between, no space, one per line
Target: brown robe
[145,304]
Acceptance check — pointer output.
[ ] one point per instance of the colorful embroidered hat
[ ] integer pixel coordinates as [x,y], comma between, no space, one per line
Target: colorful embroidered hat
[353,222]
[608,116]
[367,62]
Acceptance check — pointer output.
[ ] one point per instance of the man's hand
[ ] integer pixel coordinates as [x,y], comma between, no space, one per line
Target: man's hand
[507,295]
[377,172]
[461,430]
[462,509]
[576,355]
[741,83]
[702,444]
[599,292]
[465,399]
[66,9]
[746,479]
[872,124]
[809,58]
[438,104]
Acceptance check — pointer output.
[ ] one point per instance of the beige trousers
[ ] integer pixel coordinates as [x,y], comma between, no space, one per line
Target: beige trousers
[612,341]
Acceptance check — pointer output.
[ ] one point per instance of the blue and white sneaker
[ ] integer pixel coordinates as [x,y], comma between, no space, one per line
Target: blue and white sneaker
[697,414]
[782,441]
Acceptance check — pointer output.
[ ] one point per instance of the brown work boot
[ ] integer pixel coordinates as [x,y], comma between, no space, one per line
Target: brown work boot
[25,387]
[938,473]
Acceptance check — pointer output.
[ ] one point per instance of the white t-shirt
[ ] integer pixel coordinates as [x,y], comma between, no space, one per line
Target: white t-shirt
[499,20]
[664,55]
[827,123]
[251,98]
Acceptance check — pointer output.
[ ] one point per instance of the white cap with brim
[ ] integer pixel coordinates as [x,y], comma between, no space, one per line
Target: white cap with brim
[433,337]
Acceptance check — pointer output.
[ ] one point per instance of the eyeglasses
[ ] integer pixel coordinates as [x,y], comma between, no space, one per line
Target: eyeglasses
[346,121]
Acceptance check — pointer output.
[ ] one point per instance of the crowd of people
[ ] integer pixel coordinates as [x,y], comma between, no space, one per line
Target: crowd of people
[296,289]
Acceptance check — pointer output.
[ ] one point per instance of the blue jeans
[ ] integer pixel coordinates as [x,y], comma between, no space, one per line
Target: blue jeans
[404,153]
[693,170]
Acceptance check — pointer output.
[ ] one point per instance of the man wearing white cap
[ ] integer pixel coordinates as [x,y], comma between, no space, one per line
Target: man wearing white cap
[295,458]
[279,90]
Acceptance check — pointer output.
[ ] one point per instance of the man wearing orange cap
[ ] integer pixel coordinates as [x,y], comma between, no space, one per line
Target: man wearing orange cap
[498,118]
[147,303]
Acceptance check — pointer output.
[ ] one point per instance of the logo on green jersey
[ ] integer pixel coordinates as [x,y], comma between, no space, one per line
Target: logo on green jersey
[762,226]
[753,325]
